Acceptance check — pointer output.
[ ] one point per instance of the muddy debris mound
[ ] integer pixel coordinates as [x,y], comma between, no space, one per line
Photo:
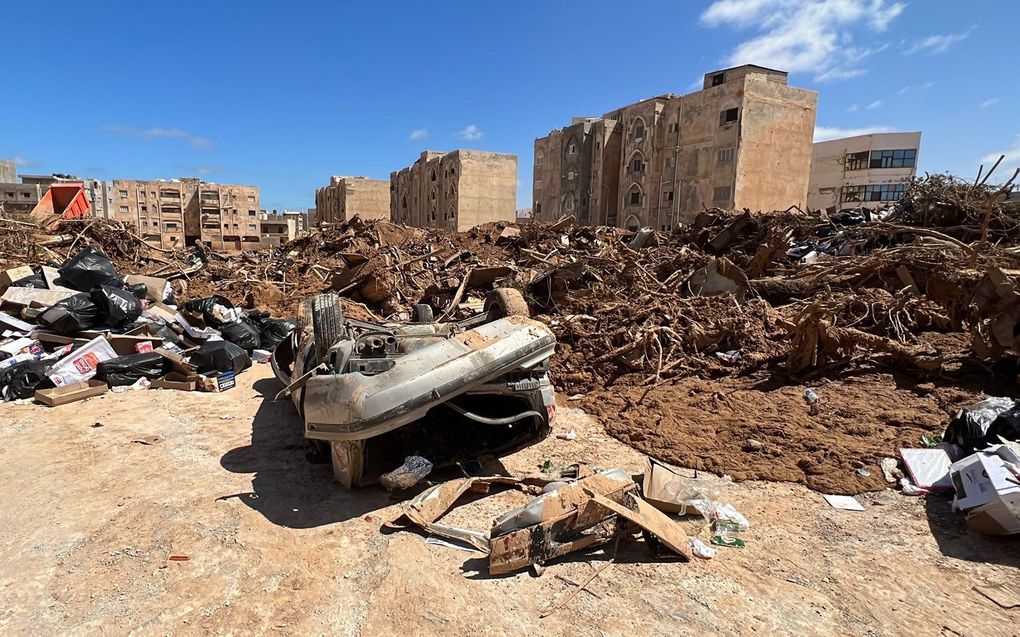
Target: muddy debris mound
[762,304]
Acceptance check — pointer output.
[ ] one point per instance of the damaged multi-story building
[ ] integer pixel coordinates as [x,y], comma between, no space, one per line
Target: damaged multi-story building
[348,196]
[742,141]
[177,212]
[863,171]
[455,190]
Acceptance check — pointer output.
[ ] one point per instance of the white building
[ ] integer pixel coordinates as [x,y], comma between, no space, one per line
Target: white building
[864,171]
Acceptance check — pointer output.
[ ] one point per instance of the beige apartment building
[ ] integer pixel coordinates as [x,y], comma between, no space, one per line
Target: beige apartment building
[455,190]
[178,212]
[868,171]
[349,196]
[742,141]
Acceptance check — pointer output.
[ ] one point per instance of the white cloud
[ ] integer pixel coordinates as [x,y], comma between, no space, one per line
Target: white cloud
[159,133]
[874,105]
[825,133]
[935,44]
[21,161]
[852,108]
[803,35]
[991,102]
[470,132]
[835,75]
[904,90]
[418,133]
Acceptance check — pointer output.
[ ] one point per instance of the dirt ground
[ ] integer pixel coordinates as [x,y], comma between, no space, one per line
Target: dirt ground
[91,520]
[762,429]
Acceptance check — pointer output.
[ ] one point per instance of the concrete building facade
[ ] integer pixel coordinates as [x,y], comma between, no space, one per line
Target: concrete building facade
[281,227]
[455,190]
[743,141]
[178,212]
[867,171]
[349,196]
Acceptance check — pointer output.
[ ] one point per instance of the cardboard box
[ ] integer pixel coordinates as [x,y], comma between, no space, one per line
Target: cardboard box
[217,381]
[30,296]
[662,487]
[156,287]
[178,381]
[9,276]
[124,344]
[180,365]
[71,393]
[987,487]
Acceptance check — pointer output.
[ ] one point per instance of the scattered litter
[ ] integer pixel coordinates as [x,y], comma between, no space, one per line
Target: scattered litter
[731,357]
[811,398]
[149,440]
[987,487]
[844,502]
[413,471]
[889,470]
[864,473]
[178,558]
[928,469]
[909,488]
[702,550]
[568,435]
[727,533]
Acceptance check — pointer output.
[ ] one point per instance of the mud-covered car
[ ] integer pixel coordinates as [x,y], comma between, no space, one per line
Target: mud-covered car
[374,393]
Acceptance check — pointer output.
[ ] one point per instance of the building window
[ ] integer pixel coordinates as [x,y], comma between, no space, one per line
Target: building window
[667,195]
[634,196]
[251,213]
[572,149]
[123,194]
[639,129]
[725,155]
[538,208]
[124,209]
[251,226]
[674,127]
[893,158]
[873,192]
[26,195]
[251,198]
[539,155]
[569,205]
[728,116]
[570,175]
[432,175]
[718,78]
[226,225]
[538,184]
[857,161]
[722,193]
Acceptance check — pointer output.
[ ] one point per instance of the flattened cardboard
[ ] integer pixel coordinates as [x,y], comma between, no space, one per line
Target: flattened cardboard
[658,485]
[70,393]
[179,364]
[154,285]
[31,296]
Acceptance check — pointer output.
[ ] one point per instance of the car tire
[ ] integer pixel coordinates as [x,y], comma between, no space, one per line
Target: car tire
[503,302]
[327,323]
[422,313]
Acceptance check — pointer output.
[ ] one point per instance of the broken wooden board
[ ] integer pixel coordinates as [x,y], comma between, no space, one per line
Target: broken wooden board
[652,520]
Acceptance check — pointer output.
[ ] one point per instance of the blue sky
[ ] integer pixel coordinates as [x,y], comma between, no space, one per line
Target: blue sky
[282,95]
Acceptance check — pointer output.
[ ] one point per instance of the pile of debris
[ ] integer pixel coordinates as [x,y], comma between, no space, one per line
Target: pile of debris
[75,331]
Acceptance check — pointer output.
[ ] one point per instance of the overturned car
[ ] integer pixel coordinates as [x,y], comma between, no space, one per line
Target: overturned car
[373,393]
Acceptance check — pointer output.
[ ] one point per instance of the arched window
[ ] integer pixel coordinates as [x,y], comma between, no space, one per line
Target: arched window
[539,155]
[632,223]
[572,147]
[636,164]
[634,196]
[569,202]
[403,202]
[637,129]
[432,175]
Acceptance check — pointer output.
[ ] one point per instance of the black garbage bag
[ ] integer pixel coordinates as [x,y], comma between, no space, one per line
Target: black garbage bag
[273,331]
[971,428]
[21,380]
[1006,426]
[117,307]
[220,356]
[125,370]
[73,314]
[36,280]
[204,307]
[164,332]
[140,290]
[243,333]
[88,269]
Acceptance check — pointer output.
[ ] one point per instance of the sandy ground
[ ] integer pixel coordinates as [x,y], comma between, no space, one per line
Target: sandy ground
[91,520]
